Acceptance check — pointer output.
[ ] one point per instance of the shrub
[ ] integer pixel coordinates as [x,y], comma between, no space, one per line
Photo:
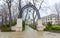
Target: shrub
[48,26]
[23,25]
[52,27]
[43,24]
[14,23]
[32,26]
[6,27]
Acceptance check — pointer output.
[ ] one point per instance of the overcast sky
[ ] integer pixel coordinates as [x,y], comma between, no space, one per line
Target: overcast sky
[47,3]
[50,4]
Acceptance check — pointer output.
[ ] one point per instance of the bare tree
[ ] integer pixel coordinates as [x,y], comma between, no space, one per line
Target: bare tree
[27,11]
[19,6]
[33,14]
[20,9]
[4,14]
[57,7]
[41,4]
[9,7]
[34,1]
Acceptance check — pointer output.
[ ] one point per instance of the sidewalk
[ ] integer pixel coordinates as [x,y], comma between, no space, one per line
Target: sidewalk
[29,33]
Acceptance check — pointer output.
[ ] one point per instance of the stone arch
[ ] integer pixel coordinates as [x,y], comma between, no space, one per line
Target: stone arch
[19,26]
[27,6]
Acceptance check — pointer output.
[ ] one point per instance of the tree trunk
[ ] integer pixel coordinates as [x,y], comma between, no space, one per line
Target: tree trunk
[20,16]
[58,18]
[9,7]
[2,18]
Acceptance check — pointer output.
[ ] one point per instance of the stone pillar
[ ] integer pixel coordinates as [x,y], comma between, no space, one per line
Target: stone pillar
[18,26]
[40,26]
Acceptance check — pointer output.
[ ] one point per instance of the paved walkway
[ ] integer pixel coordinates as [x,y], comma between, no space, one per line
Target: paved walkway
[29,33]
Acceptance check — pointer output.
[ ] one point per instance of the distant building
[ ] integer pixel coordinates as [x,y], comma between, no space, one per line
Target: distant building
[50,18]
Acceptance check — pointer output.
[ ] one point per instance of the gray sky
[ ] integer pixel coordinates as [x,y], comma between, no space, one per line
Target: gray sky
[47,3]
[50,4]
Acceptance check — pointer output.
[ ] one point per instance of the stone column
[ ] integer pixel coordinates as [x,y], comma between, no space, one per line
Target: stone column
[40,26]
[18,26]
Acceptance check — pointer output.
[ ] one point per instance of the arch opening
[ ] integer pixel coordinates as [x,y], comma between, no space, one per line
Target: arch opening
[22,10]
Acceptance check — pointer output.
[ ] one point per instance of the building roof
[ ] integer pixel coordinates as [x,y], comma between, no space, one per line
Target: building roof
[50,15]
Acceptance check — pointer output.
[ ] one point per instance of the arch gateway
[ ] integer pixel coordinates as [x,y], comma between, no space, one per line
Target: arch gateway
[19,20]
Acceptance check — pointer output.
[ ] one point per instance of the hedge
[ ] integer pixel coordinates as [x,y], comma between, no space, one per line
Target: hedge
[51,26]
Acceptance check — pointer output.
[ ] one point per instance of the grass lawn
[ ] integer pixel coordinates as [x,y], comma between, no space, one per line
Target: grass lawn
[53,27]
